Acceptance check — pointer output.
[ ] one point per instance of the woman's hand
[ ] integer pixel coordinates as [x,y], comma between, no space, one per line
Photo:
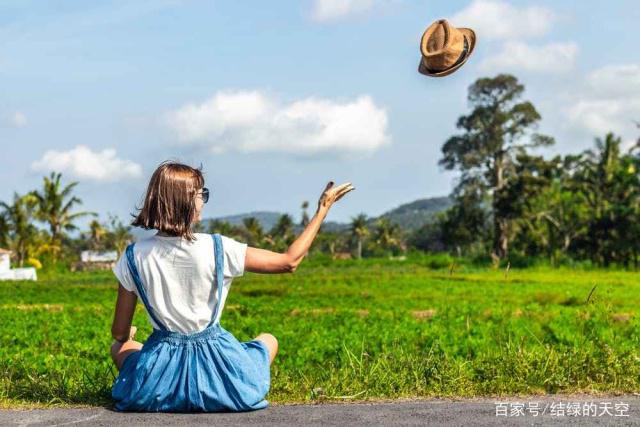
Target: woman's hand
[265,261]
[332,194]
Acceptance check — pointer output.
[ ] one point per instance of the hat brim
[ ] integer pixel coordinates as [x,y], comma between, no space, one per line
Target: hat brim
[471,36]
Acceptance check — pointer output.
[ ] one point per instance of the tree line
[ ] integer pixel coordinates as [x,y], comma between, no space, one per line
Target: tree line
[512,203]
[35,226]
[509,203]
[359,239]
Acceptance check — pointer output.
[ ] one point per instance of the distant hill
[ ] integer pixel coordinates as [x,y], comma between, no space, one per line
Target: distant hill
[266,218]
[269,219]
[409,216]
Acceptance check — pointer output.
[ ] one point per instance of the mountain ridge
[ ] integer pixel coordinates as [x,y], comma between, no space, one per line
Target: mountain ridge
[409,216]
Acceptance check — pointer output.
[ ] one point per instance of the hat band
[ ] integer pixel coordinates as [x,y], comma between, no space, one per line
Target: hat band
[463,54]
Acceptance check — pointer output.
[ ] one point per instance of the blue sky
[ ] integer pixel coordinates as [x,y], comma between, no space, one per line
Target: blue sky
[276,98]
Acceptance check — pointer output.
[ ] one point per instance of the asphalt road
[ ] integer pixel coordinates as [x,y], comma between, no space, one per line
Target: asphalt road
[549,410]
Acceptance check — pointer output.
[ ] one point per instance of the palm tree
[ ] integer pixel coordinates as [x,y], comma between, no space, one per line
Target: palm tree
[97,232]
[305,217]
[119,235]
[225,228]
[18,221]
[387,234]
[253,229]
[608,180]
[282,231]
[4,230]
[54,205]
[359,231]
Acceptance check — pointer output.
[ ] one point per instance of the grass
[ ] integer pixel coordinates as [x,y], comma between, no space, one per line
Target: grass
[353,330]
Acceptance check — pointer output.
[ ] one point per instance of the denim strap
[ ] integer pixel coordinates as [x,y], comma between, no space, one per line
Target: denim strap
[219,273]
[136,279]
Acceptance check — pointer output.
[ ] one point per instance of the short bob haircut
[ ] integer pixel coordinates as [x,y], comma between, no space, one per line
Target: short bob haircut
[170,203]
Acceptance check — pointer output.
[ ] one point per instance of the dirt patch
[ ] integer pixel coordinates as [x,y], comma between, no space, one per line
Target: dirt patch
[34,307]
[622,317]
[313,311]
[423,314]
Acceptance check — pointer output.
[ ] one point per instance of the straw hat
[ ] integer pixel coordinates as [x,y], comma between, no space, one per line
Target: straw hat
[445,48]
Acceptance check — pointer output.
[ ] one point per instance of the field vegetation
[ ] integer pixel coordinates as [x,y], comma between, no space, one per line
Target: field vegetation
[354,329]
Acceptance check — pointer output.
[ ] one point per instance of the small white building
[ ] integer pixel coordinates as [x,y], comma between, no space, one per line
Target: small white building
[95,256]
[95,260]
[5,259]
[8,273]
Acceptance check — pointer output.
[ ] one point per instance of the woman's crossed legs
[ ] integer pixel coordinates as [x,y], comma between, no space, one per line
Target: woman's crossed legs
[271,342]
[120,351]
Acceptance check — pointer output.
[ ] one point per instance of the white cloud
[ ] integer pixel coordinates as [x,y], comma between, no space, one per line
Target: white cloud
[84,163]
[607,100]
[615,80]
[332,10]
[250,121]
[548,58]
[19,119]
[500,20]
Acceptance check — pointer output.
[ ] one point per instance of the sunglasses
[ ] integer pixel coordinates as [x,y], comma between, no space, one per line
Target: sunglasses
[205,194]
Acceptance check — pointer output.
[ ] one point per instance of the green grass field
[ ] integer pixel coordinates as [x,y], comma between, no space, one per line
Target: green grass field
[353,330]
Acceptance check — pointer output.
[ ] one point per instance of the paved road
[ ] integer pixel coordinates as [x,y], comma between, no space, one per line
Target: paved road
[483,412]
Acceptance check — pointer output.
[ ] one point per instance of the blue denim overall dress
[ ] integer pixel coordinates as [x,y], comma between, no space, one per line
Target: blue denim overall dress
[205,371]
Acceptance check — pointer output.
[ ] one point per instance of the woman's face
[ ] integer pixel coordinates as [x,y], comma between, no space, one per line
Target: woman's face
[199,206]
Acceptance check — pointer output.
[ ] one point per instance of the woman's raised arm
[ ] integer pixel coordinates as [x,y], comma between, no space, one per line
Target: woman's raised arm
[264,261]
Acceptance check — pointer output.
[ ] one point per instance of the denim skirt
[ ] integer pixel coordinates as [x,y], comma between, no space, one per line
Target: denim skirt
[207,371]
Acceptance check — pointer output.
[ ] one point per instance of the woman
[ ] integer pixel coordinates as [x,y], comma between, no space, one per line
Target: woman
[190,363]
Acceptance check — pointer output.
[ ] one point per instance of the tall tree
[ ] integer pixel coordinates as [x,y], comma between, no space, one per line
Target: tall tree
[359,231]
[55,203]
[498,127]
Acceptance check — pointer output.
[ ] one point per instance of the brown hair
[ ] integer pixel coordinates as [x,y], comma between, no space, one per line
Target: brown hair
[169,205]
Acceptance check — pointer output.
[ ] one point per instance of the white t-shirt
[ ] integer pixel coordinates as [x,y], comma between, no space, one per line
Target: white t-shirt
[178,278]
